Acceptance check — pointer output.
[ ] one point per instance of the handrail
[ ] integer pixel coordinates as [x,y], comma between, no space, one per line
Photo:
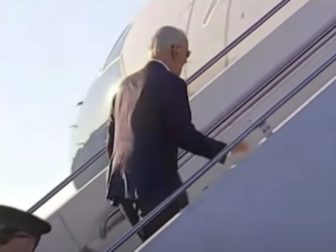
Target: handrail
[238,40]
[239,107]
[65,182]
[284,71]
[225,151]
[192,78]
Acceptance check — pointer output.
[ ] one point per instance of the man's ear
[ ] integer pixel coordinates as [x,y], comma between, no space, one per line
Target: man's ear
[173,52]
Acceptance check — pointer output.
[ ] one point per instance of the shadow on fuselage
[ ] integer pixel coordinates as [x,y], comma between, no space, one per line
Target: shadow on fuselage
[92,146]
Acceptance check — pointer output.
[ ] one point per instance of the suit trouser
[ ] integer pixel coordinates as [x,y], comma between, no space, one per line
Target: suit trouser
[132,209]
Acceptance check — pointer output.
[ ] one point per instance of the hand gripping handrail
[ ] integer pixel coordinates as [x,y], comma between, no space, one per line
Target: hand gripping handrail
[192,78]
[163,205]
[275,78]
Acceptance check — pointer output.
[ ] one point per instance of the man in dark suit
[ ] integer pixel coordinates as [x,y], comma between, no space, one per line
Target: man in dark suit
[150,120]
[20,231]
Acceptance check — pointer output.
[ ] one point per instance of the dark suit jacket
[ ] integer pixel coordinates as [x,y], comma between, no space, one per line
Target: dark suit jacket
[150,120]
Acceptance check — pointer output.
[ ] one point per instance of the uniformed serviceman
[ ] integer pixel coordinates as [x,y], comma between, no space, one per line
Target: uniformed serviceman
[19,230]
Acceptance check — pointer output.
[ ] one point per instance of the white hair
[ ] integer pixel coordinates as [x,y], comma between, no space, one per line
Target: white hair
[165,37]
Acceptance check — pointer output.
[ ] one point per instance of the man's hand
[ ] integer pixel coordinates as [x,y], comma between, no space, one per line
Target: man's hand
[242,147]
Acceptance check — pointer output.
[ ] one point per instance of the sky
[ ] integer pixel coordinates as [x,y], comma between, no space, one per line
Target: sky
[50,52]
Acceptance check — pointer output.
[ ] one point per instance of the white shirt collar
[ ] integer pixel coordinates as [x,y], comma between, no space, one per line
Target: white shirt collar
[162,63]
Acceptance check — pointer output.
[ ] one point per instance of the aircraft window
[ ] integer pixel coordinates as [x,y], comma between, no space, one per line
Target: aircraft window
[115,52]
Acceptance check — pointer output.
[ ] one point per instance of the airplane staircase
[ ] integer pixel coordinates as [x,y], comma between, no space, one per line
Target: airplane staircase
[255,95]
[281,197]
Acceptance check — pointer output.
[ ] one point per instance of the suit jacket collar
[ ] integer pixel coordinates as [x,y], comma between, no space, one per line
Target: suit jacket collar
[162,63]
[158,63]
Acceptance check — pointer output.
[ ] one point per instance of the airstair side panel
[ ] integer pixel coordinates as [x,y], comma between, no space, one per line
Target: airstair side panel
[280,199]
